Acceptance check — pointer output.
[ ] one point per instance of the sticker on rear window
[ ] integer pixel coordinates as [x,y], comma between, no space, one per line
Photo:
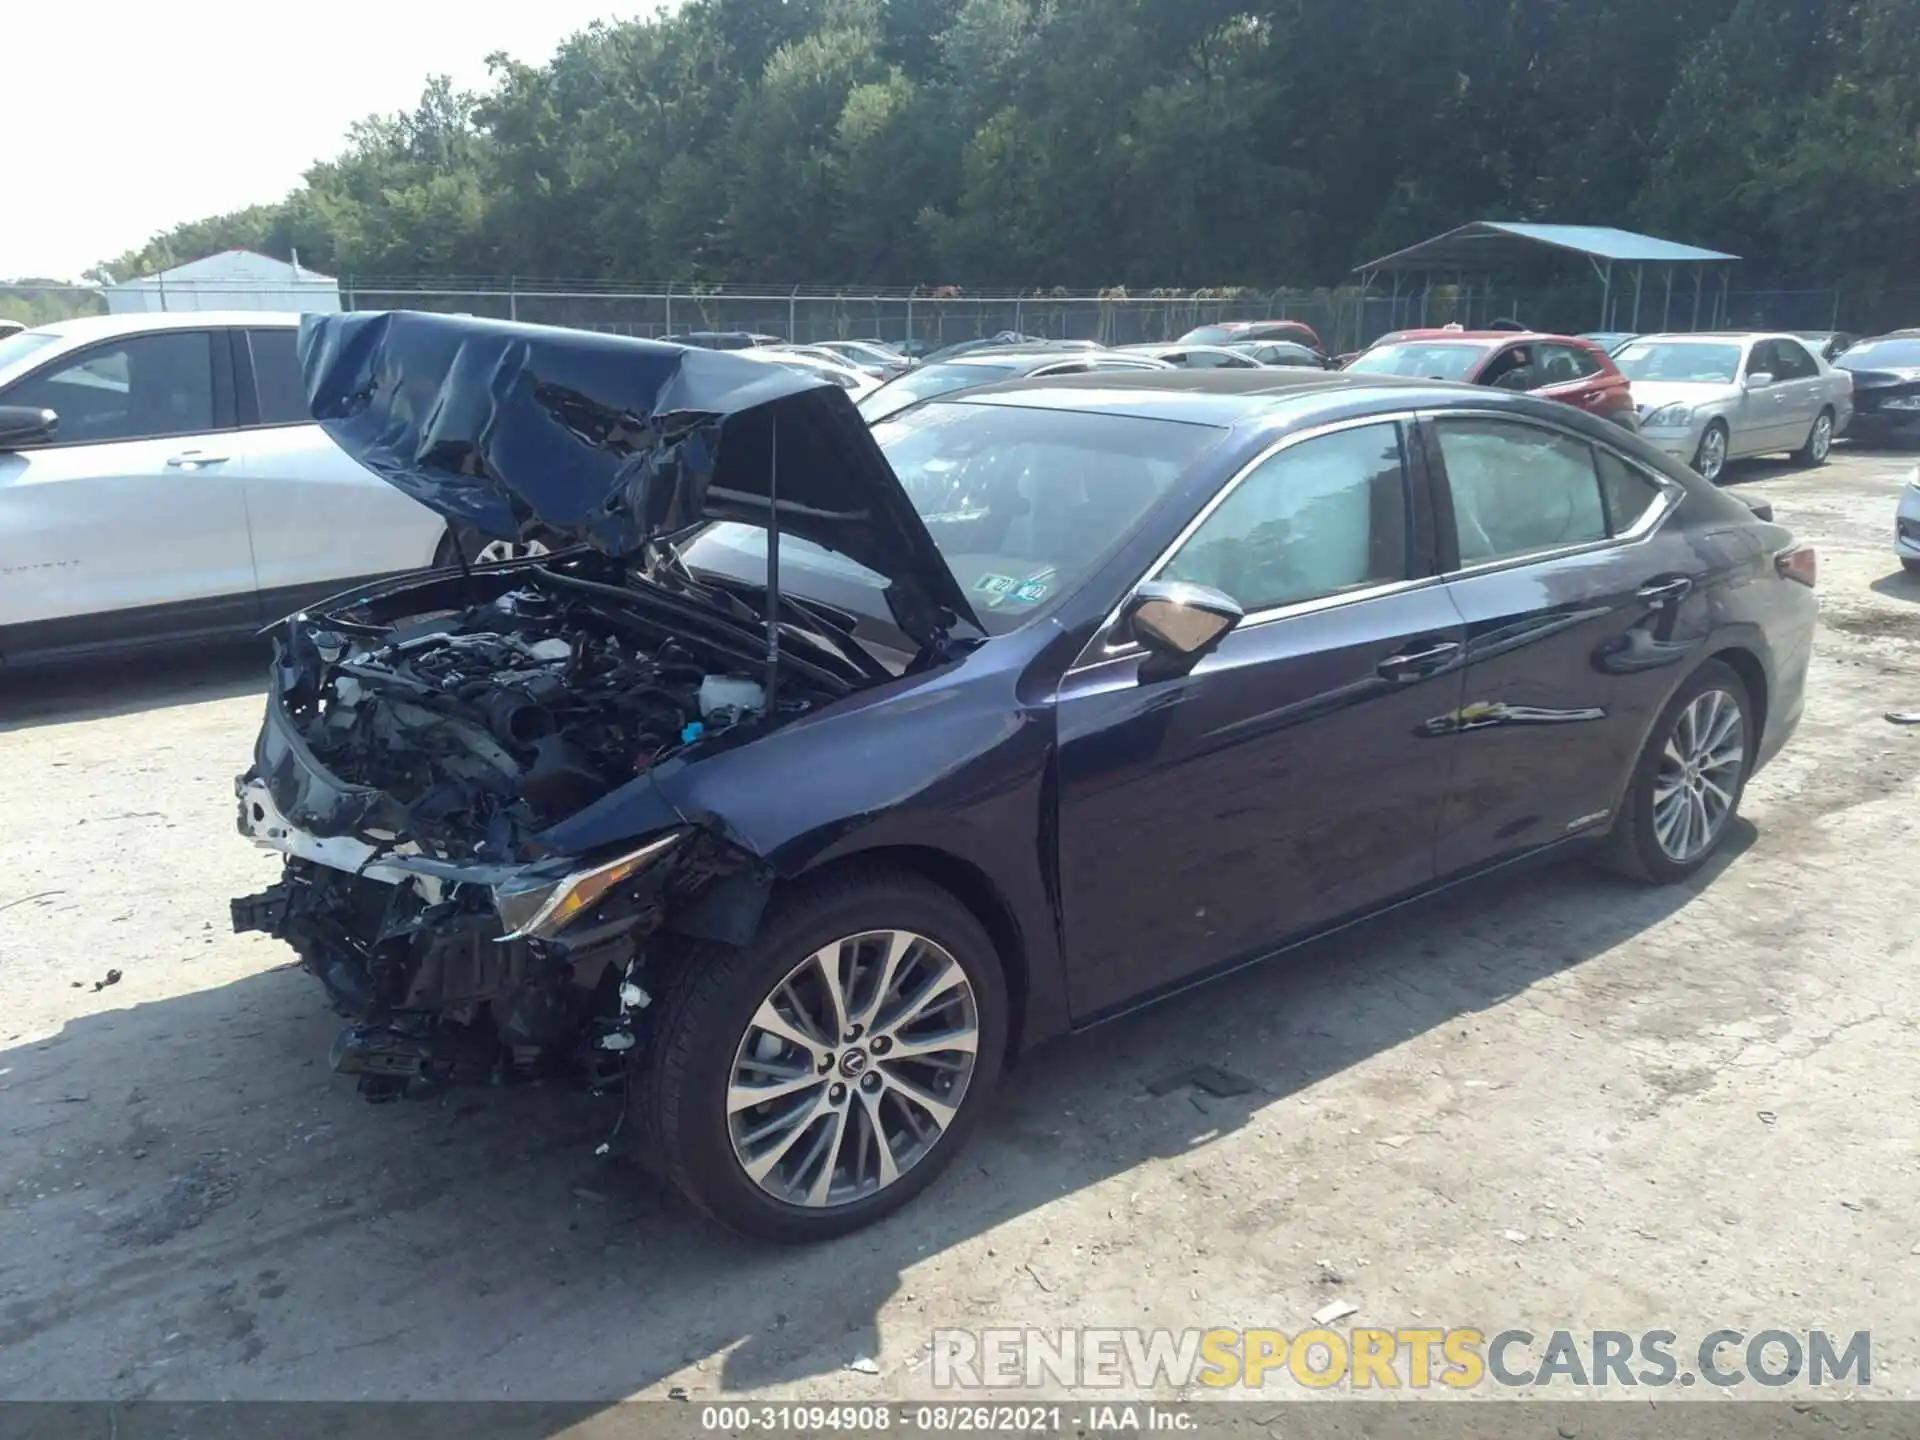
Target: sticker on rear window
[1031,593]
[995,585]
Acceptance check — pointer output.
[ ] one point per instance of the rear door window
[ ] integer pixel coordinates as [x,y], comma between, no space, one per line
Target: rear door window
[276,377]
[1518,489]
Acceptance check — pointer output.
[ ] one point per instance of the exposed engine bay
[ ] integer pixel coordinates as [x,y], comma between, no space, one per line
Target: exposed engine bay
[417,746]
[485,725]
[472,774]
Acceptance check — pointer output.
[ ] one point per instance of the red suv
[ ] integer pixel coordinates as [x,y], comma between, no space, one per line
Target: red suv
[1554,367]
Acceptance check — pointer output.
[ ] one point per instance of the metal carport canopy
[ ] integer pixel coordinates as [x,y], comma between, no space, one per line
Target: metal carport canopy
[1488,245]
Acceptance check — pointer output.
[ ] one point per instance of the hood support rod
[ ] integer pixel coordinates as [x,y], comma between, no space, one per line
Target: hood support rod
[772,686]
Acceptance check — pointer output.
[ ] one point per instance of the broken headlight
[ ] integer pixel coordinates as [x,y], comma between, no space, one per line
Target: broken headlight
[538,908]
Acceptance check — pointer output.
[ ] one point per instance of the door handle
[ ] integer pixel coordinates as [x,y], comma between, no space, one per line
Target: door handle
[1662,592]
[191,459]
[1413,664]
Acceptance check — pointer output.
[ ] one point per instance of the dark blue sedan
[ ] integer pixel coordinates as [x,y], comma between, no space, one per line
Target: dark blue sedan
[1063,695]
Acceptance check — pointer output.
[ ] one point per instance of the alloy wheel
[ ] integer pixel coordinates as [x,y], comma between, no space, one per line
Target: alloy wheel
[1713,453]
[1699,776]
[495,551]
[852,1068]
[1821,442]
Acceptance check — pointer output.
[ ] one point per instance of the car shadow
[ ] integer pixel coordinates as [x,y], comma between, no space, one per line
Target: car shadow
[157,680]
[194,1206]
[1899,585]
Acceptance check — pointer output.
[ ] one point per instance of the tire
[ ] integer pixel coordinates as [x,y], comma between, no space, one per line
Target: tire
[1819,441]
[1912,567]
[1710,459]
[1636,847]
[708,1034]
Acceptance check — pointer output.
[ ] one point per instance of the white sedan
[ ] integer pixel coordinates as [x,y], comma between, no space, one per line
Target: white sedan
[160,480]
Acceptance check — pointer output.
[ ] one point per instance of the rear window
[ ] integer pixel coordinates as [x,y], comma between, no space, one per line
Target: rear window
[1683,361]
[1426,360]
[276,377]
[927,382]
[1869,355]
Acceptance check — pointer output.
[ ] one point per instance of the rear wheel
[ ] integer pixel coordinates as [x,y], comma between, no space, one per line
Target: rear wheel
[1710,460]
[1687,783]
[1819,441]
[820,1078]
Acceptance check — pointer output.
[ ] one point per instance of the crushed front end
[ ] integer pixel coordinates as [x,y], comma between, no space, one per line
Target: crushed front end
[416,748]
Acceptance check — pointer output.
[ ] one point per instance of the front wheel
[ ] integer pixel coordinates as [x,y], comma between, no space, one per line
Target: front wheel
[1819,441]
[819,1079]
[479,550]
[1710,460]
[1687,783]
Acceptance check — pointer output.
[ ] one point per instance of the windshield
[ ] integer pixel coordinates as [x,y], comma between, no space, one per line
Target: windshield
[927,382]
[15,348]
[1430,360]
[1868,355]
[1682,361]
[1023,505]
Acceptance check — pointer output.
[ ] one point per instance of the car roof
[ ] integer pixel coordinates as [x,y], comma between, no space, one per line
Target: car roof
[1220,398]
[1486,336]
[1163,347]
[82,329]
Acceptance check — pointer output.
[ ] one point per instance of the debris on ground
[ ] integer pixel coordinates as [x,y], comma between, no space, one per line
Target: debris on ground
[112,978]
[1221,1084]
[1334,1310]
[864,1365]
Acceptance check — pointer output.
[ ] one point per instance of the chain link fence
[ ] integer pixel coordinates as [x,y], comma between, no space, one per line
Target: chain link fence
[1346,319]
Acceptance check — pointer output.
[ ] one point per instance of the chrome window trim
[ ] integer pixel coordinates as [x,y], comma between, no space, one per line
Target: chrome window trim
[1672,492]
[1101,649]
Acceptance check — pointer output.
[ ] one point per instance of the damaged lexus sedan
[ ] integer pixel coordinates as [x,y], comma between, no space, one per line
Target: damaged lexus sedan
[815,771]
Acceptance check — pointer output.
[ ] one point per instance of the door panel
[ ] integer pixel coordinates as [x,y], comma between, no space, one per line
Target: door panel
[1802,397]
[319,520]
[138,502]
[1765,416]
[1283,784]
[1569,656]
[1286,780]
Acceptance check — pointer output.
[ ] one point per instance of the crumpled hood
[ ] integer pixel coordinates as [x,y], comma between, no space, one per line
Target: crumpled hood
[529,430]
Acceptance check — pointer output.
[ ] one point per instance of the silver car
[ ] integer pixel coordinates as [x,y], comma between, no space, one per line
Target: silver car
[162,481]
[1708,399]
[1906,524]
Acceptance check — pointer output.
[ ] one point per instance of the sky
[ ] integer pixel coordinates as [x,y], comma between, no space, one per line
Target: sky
[156,114]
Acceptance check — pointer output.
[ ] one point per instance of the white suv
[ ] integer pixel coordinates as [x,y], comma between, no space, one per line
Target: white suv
[161,480]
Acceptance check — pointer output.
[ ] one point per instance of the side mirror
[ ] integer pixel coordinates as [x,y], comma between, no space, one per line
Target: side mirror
[1178,623]
[1760,380]
[23,425]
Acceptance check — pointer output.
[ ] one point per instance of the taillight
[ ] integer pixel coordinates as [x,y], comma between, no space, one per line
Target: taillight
[1800,564]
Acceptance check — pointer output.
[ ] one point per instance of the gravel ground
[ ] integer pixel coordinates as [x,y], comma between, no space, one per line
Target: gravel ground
[1559,1102]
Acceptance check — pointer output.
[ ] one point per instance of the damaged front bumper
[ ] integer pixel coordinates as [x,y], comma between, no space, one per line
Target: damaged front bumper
[448,970]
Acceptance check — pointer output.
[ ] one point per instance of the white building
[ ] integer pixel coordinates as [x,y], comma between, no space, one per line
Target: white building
[230,280]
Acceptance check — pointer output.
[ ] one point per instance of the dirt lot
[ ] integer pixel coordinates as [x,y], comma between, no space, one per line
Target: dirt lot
[1561,1102]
